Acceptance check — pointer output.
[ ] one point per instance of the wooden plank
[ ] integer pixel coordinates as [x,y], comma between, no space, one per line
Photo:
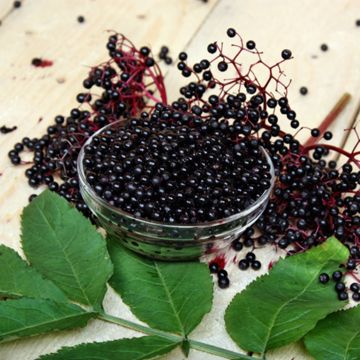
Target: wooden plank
[301,26]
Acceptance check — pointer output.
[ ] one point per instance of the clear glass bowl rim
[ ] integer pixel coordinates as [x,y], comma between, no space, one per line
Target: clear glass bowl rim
[118,211]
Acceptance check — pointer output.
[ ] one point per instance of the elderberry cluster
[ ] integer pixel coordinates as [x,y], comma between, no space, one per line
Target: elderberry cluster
[340,287]
[113,89]
[176,168]
[312,199]
[222,274]
[164,55]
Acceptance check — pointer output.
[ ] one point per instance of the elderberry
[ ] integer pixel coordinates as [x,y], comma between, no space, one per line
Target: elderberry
[244,264]
[286,54]
[250,45]
[164,55]
[324,47]
[256,265]
[340,286]
[231,32]
[222,273]
[192,170]
[324,278]
[303,90]
[337,275]
[343,296]
[237,245]
[223,282]
[250,256]
[213,267]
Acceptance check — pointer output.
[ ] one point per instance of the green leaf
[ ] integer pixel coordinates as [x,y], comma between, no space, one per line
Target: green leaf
[172,297]
[146,347]
[18,279]
[337,337]
[282,306]
[27,317]
[63,246]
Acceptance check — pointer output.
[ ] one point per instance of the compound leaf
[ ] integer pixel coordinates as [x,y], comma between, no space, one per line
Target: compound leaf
[282,306]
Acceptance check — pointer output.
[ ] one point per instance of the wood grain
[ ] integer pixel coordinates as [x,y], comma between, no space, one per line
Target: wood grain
[49,29]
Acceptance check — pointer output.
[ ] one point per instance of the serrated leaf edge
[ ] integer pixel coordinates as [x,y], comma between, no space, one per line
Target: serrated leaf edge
[260,278]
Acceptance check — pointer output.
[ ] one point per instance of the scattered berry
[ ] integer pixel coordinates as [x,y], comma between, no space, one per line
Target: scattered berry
[324,278]
[243,264]
[337,275]
[164,55]
[222,273]
[237,245]
[256,265]
[327,135]
[324,47]
[213,267]
[315,132]
[303,90]
[223,282]
[286,54]
[250,256]
[340,286]
[343,296]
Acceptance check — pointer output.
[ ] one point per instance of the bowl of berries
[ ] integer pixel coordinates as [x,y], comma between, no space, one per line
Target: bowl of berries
[174,187]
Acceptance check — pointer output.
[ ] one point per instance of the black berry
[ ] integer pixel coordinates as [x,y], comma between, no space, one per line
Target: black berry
[324,278]
[337,275]
[223,282]
[286,54]
[324,47]
[243,264]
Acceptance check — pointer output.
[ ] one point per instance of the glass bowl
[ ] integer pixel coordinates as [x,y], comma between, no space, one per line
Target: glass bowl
[163,241]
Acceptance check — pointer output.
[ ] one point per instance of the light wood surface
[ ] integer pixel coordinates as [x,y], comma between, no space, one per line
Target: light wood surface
[48,28]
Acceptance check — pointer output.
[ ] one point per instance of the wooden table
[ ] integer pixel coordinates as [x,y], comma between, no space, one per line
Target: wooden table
[49,28]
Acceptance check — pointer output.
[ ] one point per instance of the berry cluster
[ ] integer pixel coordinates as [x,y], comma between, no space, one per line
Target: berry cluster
[313,198]
[223,279]
[176,168]
[122,86]
[340,287]
[164,55]
[249,260]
